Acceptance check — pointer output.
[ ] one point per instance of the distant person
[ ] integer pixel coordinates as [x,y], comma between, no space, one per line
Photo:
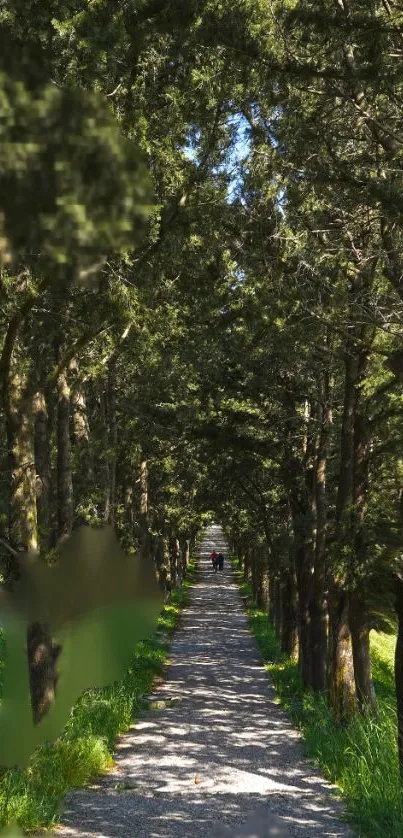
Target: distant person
[214,560]
[220,561]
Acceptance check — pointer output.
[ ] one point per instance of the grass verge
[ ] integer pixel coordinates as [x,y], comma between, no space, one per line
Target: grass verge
[361,758]
[33,797]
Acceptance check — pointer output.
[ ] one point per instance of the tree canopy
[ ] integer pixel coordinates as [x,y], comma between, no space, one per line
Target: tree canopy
[201,301]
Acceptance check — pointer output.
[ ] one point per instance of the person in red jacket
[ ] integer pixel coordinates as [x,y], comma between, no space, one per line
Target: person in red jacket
[214,560]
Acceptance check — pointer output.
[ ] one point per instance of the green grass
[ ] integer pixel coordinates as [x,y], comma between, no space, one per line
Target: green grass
[33,798]
[361,758]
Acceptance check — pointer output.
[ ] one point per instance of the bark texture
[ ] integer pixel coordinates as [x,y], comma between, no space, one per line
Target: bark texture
[318,605]
[341,683]
[342,694]
[289,625]
[360,629]
[64,470]
[23,521]
[110,494]
[43,470]
[42,662]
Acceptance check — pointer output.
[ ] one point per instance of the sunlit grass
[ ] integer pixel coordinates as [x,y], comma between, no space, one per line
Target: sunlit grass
[33,798]
[361,758]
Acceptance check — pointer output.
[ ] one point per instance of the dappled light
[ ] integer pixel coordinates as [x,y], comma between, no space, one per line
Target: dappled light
[217,747]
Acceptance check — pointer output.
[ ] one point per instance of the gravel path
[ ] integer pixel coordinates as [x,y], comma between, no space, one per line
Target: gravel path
[218,757]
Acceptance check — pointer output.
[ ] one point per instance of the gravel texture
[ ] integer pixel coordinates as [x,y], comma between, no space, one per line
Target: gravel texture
[217,756]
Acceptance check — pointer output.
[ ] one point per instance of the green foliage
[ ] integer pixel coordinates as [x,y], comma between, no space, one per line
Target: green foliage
[74,189]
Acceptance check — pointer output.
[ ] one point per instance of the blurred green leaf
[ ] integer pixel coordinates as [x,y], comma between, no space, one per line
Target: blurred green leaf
[97,604]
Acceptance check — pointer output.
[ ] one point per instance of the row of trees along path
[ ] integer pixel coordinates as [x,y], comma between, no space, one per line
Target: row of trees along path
[201,302]
[219,757]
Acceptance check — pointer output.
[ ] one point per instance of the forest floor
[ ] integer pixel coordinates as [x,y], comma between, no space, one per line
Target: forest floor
[214,755]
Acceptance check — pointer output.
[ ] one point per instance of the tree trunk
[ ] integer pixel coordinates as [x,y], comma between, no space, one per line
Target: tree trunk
[143,507]
[23,523]
[289,628]
[272,598]
[359,628]
[254,566]
[304,579]
[144,488]
[101,460]
[42,660]
[160,557]
[318,607]
[246,566]
[303,562]
[43,470]
[342,696]
[110,500]
[319,642]
[171,549]
[129,508]
[299,483]
[261,577]
[184,550]
[251,558]
[341,683]
[179,561]
[277,608]
[346,476]
[81,430]
[357,612]
[186,553]
[64,471]
[83,455]
[173,561]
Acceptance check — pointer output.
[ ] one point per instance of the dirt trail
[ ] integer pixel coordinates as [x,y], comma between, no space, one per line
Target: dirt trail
[219,757]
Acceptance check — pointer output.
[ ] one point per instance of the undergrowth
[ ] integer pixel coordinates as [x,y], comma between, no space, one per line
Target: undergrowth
[33,797]
[361,758]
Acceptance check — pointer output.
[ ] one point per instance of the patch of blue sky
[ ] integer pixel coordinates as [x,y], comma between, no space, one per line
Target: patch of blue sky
[192,144]
[234,162]
[239,149]
[237,155]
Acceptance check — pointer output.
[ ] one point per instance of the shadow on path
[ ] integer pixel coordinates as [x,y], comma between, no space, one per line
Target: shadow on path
[221,758]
